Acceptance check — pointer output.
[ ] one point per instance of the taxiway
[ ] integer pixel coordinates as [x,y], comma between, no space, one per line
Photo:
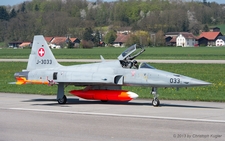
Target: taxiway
[37,117]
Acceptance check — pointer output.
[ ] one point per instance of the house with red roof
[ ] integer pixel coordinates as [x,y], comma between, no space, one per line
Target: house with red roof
[25,44]
[75,42]
[48,39]
[59,42]
[121,39]
[208,38]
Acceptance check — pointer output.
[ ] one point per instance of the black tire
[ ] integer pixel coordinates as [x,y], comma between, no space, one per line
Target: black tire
[63,100]
[104,100]
[155,102]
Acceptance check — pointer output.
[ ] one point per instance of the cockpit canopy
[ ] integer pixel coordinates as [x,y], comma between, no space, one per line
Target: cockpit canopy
[127,52]
[126,58]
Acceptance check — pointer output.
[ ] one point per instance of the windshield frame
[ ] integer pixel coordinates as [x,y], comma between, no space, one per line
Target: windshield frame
[145,65]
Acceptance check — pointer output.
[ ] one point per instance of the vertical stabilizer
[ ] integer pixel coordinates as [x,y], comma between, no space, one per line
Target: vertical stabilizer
[41,55]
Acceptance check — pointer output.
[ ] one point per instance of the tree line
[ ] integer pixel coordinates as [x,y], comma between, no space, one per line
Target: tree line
[76,18]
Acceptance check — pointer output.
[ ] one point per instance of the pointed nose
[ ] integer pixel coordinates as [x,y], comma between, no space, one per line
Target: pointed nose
[132,95]
[196,82]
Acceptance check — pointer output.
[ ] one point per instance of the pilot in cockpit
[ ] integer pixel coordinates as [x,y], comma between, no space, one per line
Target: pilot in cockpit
[127,60]
[135,64]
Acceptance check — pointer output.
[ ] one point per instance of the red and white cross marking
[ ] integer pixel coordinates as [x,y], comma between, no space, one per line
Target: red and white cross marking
[41,52]
[133,73]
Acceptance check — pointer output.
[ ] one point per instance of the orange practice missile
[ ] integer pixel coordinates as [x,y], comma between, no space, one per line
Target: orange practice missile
[23,80]
[114,95]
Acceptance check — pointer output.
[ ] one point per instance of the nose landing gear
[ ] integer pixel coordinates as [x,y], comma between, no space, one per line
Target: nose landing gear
[155,101]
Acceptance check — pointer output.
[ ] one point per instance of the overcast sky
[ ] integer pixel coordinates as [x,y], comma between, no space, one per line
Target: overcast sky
[14,2]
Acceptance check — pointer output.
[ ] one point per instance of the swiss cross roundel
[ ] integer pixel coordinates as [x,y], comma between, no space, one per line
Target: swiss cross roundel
[41,52]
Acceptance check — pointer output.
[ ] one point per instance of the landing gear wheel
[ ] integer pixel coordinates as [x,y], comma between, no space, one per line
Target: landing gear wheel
[155,102]
[63,100]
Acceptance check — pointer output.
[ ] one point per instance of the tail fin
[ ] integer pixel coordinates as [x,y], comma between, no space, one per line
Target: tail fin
[41,55]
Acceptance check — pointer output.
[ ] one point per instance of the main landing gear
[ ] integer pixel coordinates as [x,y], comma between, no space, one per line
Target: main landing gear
[155,101]
[61,98]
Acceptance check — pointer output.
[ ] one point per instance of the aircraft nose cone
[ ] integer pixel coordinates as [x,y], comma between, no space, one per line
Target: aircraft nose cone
[132,95]
[196,82]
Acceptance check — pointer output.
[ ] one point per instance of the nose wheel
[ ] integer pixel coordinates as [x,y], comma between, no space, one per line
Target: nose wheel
[155,101]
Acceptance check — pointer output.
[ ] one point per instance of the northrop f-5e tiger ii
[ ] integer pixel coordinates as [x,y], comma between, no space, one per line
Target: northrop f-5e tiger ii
[102,81]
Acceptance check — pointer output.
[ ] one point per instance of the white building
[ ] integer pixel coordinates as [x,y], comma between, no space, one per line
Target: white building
[185,39]
[220,41]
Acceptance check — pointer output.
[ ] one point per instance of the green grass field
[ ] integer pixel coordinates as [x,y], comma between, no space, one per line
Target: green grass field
[171,53]
[213,73]
[222,28]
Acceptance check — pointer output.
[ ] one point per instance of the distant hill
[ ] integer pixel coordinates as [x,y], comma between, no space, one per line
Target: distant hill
[72,17]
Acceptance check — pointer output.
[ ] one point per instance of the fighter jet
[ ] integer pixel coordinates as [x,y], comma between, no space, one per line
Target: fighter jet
[103,80]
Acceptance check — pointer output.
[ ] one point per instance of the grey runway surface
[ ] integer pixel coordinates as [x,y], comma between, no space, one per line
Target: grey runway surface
[26,117]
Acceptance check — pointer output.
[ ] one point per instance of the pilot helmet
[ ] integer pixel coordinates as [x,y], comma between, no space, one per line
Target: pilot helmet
[135,62]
